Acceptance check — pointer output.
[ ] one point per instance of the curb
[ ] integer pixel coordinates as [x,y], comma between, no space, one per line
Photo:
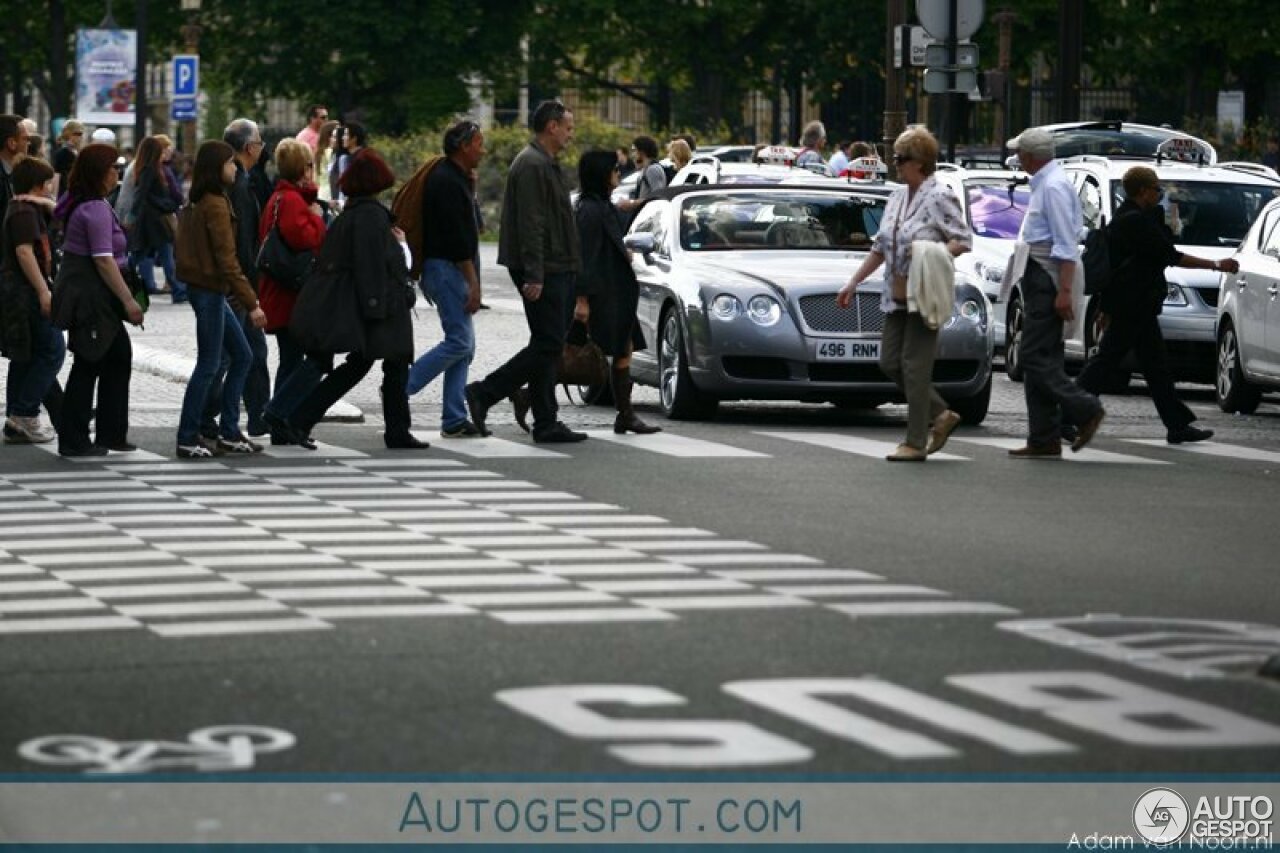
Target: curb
[177,368]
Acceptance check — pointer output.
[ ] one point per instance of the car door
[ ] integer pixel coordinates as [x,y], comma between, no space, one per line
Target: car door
[651,275]
[1269,296]
[1258,271]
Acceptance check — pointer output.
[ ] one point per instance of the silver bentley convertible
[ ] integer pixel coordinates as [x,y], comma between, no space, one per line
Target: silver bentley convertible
[738,301]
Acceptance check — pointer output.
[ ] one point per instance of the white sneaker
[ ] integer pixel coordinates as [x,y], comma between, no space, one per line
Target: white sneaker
[31,429]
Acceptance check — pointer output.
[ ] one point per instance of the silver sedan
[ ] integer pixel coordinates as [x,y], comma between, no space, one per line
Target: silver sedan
[737,299]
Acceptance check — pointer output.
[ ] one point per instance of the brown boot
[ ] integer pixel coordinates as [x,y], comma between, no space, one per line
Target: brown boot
[627,420]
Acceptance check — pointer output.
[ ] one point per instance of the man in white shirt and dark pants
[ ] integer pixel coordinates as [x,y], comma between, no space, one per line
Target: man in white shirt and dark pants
[1051,232]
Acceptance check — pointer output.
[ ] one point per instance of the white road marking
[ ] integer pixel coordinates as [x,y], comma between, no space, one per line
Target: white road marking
[843,443]
[615,569]
[322,451]
[171,506]
[370,490]
[425,509]
[149,533]
[60,529]
[609,532]
[200,608]
[664,585]
[24,587]
[464,527]
[53,476]
[670,444]
[870,589]
[496,448]
[316,508]
[222,546]
[550,538]
[599,519]
[744,559]
[133,457]
[490,485]
[331,593]
[487,497]
[292,575]
[477,564]
[46,605]
[456,581]
[246,626]
[922,608]
[553,556]
[384,611]
[1213,448]
[71,623]
[91,487]
[723,602]
[6,571]
[347,522]
[256,500]
[299,558]
[393,550]
[689,545]
[514,599]
[83,546]
[555,506]
[81,575]
[796,574]
[404,464]
[15,517]
[104,557]
[1089,454]
[391,534]
[581,616]
[165,590]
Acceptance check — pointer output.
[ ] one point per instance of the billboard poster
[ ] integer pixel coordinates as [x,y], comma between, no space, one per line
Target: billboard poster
[106,76]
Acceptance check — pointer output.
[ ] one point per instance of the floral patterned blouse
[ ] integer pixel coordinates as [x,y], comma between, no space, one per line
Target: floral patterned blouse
[933,213]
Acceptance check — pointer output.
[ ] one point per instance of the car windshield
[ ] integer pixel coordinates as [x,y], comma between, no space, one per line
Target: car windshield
[996,209]
[1208,213]
[779,220]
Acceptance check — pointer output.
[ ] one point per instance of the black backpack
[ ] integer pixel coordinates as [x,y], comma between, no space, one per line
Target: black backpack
[1096,261]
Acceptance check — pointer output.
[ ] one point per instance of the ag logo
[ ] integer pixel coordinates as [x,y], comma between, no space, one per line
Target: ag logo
[1161,816]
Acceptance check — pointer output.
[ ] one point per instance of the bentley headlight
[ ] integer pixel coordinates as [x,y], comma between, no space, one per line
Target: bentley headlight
[726,307]
[971,310]
[764,311]
[1175,296]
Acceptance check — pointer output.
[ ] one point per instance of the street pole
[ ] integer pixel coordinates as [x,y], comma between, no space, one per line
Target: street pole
[191,37]
[953,12]
[140,99]
[1070,35]
[895,82]
[1005,20]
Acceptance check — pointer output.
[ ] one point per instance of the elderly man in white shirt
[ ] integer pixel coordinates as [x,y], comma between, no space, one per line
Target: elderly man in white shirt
[1051,232]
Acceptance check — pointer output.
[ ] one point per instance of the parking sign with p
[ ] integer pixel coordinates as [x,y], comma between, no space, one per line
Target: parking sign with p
[186,76]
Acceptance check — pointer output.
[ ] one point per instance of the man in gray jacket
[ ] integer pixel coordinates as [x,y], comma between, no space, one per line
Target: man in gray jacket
[539,247]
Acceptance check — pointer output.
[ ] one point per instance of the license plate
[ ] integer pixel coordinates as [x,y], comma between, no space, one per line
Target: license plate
[848,350]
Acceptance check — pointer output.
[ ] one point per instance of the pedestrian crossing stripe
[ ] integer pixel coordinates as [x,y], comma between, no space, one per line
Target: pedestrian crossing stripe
[1214,448]
[671,444]
[1089,454]
[845,443]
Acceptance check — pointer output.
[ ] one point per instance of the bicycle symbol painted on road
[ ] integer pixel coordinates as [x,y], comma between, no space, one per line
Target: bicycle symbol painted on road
[207,750]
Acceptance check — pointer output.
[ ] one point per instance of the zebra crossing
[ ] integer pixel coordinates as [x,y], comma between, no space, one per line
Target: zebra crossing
[303,541]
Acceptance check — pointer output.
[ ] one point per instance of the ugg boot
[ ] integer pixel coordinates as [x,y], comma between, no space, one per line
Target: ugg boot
[627,420]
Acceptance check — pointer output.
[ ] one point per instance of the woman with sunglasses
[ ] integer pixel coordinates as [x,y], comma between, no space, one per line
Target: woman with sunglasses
[921,209]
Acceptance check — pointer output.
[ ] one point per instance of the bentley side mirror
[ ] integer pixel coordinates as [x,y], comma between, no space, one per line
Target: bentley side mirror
[642,243]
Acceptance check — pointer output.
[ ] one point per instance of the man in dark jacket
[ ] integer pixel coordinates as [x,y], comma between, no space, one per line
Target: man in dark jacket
[1141,247]
[243,137]
[538,245]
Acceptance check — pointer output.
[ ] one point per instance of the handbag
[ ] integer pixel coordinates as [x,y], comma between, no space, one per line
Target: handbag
[582,362]
[285,266]
[136,287]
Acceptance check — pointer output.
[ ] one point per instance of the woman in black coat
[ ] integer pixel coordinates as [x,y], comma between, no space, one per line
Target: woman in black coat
[153,206]
[363,240]
[607,292]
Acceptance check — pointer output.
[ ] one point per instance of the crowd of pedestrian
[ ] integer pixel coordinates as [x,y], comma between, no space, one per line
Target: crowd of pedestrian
[82,236]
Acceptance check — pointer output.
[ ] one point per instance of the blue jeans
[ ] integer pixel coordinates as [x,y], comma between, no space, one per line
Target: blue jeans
[29,381]
[257,385]
[217,329]
[442,282]
[145,263]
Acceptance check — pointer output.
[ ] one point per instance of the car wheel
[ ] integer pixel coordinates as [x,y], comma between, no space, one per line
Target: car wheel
[681,400]
[1013,341]
[1233,391]
[973,410]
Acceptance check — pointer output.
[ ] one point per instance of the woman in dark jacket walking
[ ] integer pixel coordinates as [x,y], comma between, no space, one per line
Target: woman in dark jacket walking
[154,206]
[607,292]
[363,241]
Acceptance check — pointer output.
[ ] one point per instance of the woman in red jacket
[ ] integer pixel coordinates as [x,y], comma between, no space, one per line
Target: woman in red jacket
[294,210]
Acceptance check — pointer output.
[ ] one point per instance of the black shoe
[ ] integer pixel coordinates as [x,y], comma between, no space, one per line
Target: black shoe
[1069,433]
[285,433]
[484,307]
[479,411]
[120,447]
[408,441]
[466,429]
[80,452]
[558,433]
[520,403]
[1188,433]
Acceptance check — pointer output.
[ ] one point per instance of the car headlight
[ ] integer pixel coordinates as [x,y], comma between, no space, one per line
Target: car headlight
[764,310]
[1175,296]
[726,307]
[989,273]
[971,310]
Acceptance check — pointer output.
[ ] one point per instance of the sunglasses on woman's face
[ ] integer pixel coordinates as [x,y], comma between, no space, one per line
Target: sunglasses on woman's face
[899,159]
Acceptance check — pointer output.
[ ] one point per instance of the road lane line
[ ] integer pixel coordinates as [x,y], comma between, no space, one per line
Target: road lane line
[496,448]
[298,558]
[921,608]
[164,590]
[200,608]
[82,575]
[71,623]
[246,626]
[666,585]
[1213,448]
[1089,454]
[796,574]
[743,559]
[670,444]
[556,555]
[870,589]
[405,569]
[514,599]
[844,443]
[331,593]
[615,569]
[458,581]
[582,616]
[384,611]
[723,602]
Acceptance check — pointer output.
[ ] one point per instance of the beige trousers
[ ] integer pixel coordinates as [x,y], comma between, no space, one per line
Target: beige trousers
[907,351]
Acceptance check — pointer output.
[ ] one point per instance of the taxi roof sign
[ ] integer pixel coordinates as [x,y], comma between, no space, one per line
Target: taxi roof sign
[1183,149]
[777,155]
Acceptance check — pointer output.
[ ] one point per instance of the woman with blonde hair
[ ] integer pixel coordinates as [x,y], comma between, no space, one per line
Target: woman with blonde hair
[323,160]
[679,152]
[921,209]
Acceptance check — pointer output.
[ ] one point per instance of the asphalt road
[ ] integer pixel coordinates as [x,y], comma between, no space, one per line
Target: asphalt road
[799,604]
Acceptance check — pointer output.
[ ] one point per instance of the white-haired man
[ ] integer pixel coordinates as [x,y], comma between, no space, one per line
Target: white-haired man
[812,140]
[1051,232]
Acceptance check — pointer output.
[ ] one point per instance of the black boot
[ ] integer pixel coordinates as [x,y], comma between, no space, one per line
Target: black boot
[627,420]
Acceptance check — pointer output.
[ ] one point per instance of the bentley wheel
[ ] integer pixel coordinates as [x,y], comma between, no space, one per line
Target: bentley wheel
[681,400]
